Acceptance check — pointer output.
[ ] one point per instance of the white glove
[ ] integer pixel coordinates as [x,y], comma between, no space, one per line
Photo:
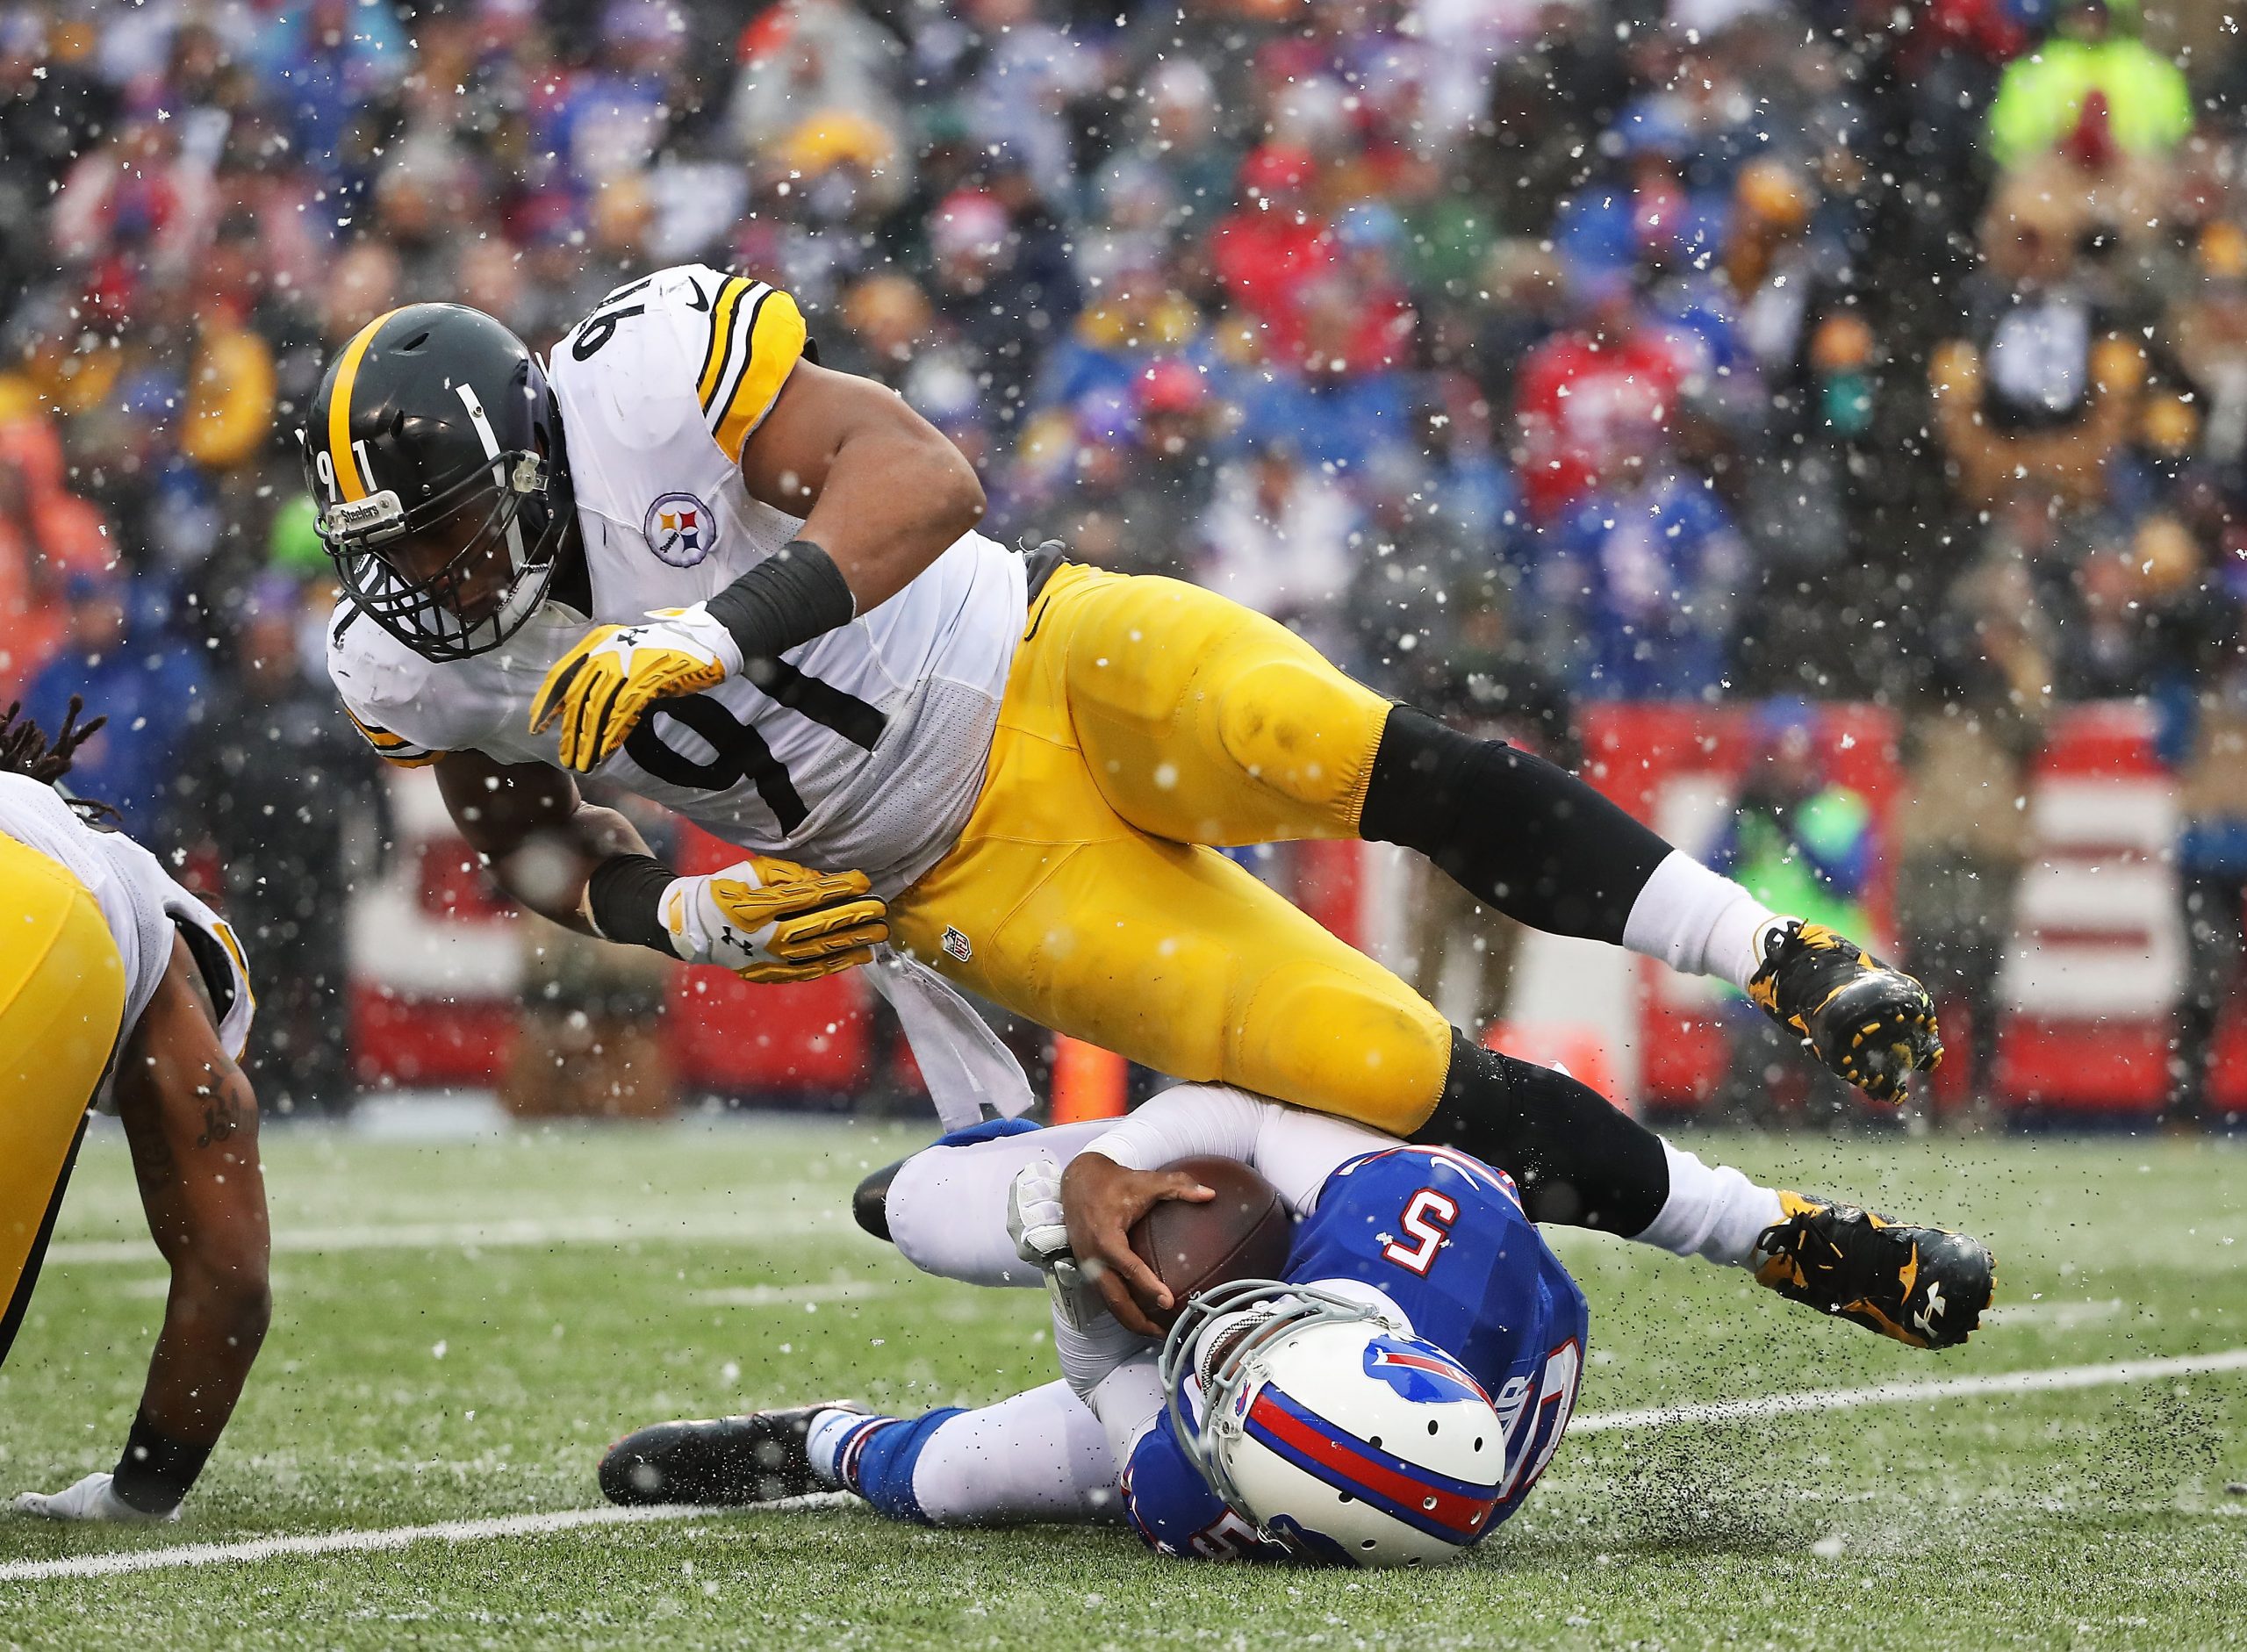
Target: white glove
[768,919]
[1041,1237]
[92,1499]
[1034,1219]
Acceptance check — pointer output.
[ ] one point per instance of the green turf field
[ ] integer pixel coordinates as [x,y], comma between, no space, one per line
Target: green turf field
[460,1329]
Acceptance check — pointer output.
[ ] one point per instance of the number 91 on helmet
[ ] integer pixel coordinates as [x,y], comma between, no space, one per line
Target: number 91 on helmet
[1329,1429]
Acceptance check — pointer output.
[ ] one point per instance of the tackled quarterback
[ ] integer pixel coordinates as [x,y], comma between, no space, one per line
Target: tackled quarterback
[1388,1396]
[685,561]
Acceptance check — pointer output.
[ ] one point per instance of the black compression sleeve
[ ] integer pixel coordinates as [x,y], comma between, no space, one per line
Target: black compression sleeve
[1577,1160]
[1520,834]
[625,896]
[156,1470]
[791,596]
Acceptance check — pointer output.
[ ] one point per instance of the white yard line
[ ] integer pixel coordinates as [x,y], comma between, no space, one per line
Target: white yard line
[429,1236]
[257,1548]
[1849,1399]
[787,1296]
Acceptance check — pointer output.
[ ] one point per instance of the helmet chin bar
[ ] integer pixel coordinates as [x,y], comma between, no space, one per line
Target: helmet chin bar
[1228,1358]
[419,612]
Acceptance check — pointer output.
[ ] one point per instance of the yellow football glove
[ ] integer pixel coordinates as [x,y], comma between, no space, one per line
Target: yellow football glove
[601,687]
[767,919]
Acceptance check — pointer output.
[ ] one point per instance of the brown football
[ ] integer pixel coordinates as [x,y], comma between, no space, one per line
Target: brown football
[1243,1233]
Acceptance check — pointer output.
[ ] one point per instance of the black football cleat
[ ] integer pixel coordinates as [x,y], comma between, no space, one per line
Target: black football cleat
[722,1462]
[1925,1286]
[1872,1024]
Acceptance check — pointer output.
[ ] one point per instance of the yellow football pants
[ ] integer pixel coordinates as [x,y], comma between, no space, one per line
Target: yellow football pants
[1142,719]
[61,1001]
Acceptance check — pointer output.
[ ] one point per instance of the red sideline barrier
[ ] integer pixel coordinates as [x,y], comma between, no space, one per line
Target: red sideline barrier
[734,1039]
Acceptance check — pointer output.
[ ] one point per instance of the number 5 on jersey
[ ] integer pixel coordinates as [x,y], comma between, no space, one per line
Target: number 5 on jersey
[1427,1219]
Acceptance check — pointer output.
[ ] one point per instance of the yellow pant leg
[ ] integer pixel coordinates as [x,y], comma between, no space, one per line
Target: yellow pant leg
[62,999]
[1205,721]
[1058,907]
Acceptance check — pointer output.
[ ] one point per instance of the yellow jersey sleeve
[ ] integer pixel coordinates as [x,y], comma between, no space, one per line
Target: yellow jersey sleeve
[755,337]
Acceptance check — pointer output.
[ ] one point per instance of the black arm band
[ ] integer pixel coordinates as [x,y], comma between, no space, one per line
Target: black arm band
[791,596]
[624,899]
[156,1470]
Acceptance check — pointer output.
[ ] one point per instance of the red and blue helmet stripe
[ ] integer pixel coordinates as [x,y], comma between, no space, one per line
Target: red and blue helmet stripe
[1453,1511]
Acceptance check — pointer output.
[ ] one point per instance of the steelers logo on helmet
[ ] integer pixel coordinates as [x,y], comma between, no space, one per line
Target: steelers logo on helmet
[433,451]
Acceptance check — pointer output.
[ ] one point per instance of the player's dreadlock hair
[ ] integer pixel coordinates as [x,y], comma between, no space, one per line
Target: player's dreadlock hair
[25,750]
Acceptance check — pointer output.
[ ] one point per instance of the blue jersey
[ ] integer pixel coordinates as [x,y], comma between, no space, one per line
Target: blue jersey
[1442,1235]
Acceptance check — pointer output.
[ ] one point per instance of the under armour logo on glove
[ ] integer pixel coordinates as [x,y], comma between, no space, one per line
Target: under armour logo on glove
[769,920]
[602,687]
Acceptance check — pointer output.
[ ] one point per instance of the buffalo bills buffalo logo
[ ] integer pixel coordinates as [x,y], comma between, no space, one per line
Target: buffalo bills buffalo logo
[1419,1374]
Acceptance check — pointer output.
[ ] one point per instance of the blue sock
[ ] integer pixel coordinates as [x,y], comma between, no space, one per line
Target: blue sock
[876,1460]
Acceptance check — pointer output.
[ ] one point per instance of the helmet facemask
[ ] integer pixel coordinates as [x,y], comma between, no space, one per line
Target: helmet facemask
[511,505]
[1222,1339]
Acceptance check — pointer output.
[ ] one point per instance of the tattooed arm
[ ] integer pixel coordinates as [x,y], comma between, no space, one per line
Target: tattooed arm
[191,1122]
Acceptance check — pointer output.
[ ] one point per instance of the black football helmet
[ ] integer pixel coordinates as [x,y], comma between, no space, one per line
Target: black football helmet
[434,445]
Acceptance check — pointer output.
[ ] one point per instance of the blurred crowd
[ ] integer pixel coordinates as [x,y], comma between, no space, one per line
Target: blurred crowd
[1520,352]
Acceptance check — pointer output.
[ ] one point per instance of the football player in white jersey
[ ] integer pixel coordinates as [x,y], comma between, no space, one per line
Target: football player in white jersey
[121,992]
[684,560]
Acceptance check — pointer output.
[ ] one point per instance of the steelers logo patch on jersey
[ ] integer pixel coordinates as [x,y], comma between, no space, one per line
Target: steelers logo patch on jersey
[681,528]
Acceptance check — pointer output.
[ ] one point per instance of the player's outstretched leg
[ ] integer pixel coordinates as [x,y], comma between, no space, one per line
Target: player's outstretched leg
[1527,837]
[1040,1455]
[1578,1160]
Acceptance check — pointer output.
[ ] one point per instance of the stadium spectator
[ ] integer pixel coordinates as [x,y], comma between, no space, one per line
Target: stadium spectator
[1798,841]
[2199,687]
[2087,62]
[119,655]
[2040,392]
[282,797]
[1479,676]
[1962,832]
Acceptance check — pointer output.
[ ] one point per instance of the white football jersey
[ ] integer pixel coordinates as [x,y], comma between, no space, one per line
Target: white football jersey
[144,908]
[866,752]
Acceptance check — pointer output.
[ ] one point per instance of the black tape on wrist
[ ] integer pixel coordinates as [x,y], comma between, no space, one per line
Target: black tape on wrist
[624,899]
[791,596]
[156,1470]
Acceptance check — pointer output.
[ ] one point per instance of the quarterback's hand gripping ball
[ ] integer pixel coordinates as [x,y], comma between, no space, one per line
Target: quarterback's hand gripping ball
[771,920]
[600,688]
[92,1499]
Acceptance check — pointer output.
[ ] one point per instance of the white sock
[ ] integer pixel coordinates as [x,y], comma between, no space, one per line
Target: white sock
[824,1442]
[1698,922]
[1715,1214]
[1039,1456]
